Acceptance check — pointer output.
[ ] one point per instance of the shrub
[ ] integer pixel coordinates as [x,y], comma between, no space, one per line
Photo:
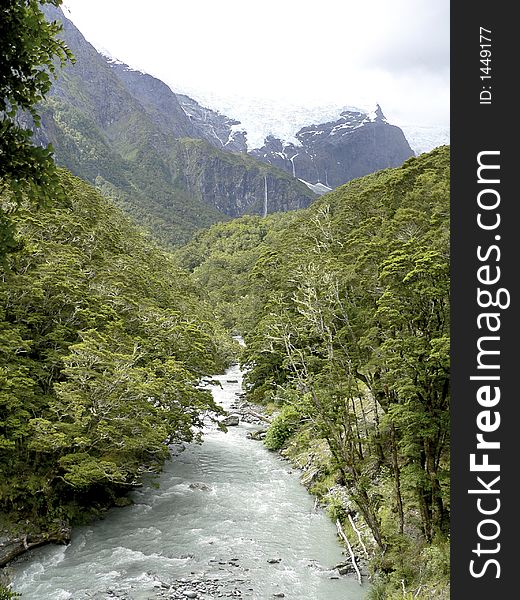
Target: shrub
[282,427]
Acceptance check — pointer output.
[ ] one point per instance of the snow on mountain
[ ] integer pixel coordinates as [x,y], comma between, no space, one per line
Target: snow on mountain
[261,117]
[423,138]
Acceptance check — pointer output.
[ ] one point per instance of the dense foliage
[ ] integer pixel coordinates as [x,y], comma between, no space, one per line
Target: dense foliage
[102,342]
[221,259]
[29,53]
[134,173]
[345,310]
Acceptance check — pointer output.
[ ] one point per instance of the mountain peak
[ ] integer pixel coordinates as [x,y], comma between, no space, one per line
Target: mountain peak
[379,113]
[331,153]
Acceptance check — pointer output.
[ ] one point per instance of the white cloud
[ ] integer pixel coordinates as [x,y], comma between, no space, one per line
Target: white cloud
[297,52]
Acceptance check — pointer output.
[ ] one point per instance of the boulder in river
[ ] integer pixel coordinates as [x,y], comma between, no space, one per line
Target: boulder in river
[345,568]
[176,449]
[231,420]
[274,561]
[197,485]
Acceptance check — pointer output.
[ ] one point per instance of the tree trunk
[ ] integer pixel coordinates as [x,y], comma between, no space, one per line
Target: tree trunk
[11,549]
[341,533]
[397,480]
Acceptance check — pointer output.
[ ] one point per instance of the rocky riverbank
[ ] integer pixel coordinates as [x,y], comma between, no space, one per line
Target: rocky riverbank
[254,414]
[234,583]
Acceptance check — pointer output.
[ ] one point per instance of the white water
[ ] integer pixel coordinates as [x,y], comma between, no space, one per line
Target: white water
[254,509]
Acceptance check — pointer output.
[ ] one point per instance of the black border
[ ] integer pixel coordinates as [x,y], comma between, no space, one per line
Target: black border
[475,128]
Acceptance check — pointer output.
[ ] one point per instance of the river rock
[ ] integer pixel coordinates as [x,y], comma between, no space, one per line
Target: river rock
[345,568]
[197,485]
[191,594]
[176,449]
[274,561]
[257,435]
[231,420]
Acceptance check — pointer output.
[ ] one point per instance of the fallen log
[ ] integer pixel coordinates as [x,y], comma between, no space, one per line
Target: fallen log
[258,415]
[341,533]
[11,549]
[351,520]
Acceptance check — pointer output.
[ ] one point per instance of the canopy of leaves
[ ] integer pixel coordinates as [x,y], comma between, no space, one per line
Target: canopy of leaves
[103,341]
[29,55]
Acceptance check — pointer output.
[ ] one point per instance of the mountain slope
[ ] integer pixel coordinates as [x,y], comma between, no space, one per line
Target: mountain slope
[333,153]
[125,131]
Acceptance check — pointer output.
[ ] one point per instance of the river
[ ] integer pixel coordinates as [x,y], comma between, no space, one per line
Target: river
[228,519]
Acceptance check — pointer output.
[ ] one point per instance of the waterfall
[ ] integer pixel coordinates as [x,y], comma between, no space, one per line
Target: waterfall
[293,167]
[265,196]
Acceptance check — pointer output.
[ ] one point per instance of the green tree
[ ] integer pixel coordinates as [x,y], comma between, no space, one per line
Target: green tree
[29,56]
[103,341]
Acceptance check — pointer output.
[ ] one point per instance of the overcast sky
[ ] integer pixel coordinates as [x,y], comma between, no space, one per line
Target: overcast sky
[306,52]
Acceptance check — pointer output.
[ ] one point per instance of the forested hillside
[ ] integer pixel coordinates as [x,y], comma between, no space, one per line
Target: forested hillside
[106,338]
[126,133]
[345,310]
[102,343]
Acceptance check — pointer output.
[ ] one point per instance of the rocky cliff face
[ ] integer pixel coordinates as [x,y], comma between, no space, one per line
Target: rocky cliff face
[160,104]
[237,184]
[220,131]
[336,152]
[170,163]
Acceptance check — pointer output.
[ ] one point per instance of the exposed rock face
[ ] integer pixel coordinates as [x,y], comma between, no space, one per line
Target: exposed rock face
[336,152]
[220,131]
[237,184]
[156,98]
[173,165]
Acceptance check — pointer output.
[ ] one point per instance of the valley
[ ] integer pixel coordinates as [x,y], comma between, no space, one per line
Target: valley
[161,280]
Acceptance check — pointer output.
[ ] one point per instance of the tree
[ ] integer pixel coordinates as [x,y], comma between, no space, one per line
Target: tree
[103,341]
[29,56]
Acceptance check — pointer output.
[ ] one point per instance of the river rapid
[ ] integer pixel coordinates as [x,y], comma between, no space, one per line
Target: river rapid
[228,519]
